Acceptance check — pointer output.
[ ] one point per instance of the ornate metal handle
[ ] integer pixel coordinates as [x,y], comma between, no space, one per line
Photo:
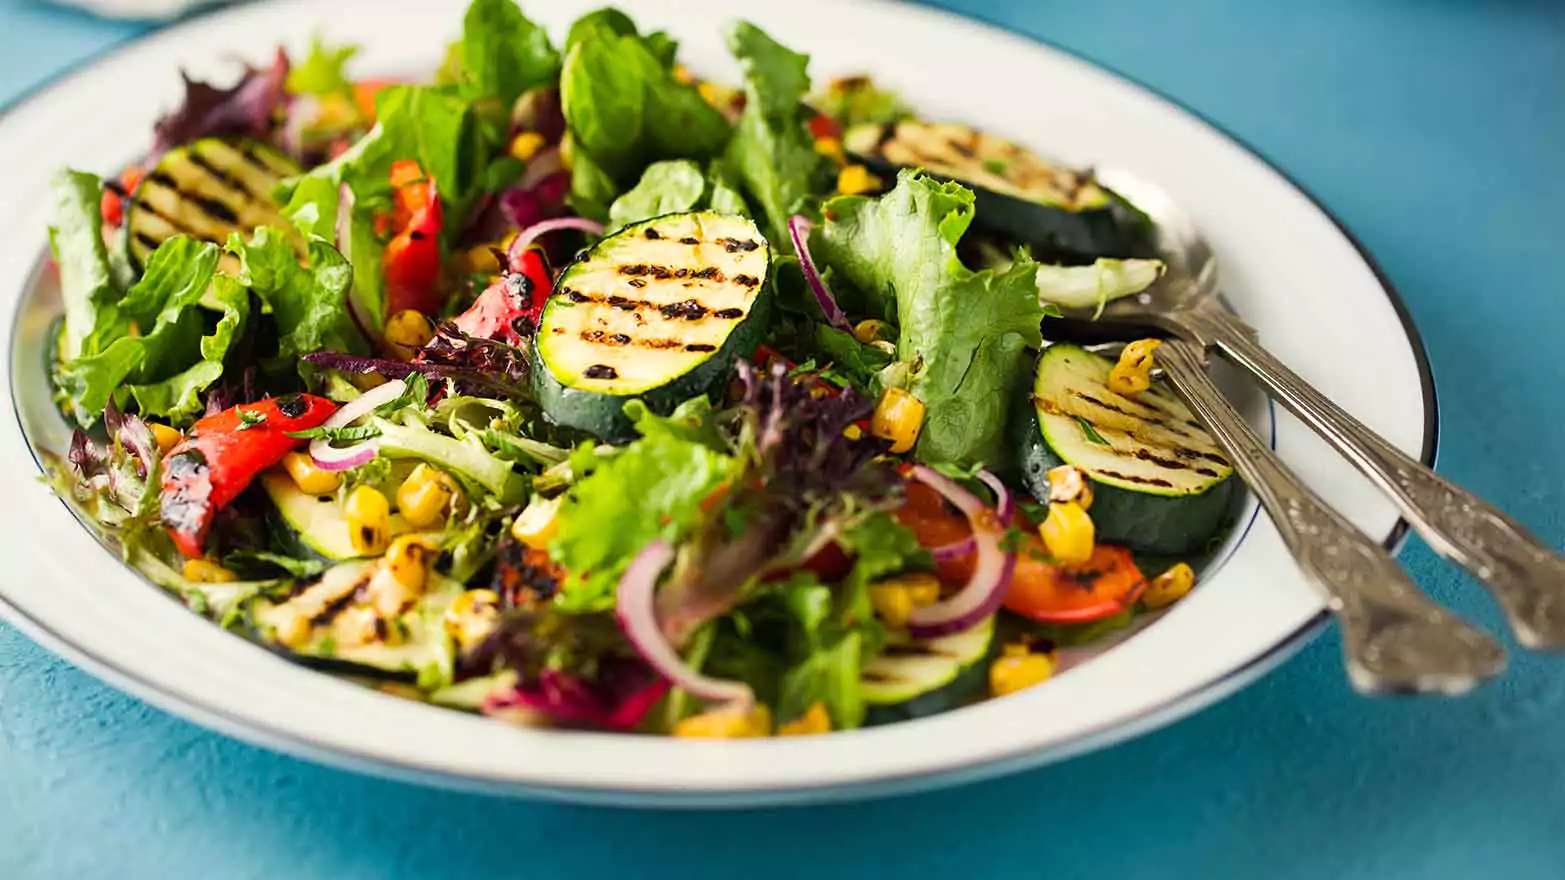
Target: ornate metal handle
[1524,575]
[1394,638]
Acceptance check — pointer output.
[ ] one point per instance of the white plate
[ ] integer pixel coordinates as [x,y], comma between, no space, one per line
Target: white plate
[1290,270]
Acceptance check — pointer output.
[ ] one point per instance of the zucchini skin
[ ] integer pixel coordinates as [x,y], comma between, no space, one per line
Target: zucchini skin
[967,687]
[1118,230]
[1149,523]
[603,416]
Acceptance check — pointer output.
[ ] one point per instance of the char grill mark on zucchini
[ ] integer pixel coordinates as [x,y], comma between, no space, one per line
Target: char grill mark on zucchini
[972,156]
[206,190]
[911,679]
[1152,440]
[650,302]
[350,625]
[1161,484]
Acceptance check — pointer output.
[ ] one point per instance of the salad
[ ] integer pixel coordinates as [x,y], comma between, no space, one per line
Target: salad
[574,389]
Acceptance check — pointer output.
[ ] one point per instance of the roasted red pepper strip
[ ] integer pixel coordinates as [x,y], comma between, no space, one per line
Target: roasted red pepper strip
[223,453]
[508,310]
[412,260]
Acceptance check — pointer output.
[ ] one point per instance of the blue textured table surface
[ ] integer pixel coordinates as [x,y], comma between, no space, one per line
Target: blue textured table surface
[1436,131]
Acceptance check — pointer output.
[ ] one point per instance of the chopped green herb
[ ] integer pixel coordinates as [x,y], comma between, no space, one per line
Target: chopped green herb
[249,418]
[344,434]
[1091,432]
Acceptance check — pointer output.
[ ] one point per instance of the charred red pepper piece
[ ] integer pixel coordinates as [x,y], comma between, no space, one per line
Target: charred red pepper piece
[223,453]
[508,310]
[412,260]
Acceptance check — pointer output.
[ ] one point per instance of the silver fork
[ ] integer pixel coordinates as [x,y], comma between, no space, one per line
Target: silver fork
[1525,577]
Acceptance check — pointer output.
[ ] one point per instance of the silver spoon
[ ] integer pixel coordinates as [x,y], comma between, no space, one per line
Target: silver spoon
[1526,577]
[1394,638]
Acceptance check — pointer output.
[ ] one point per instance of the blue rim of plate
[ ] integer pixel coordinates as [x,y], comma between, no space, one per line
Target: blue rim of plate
[1205,694]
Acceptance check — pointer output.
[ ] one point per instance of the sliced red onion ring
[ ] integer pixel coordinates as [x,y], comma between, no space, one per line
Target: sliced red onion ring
[799,227]
[1005,505]
[637,613]
[331,458]
[991,578]
[531,234]
[954,550]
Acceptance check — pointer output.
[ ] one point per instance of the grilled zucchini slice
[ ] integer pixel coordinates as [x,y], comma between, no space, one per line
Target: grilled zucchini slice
[317,525]
[1160,482]
[206,190]
[911,679]
[658,312]
[349,625]
[1060,211]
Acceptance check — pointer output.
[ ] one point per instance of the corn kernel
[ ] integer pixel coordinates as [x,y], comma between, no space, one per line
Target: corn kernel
[1068,533]
[892,604]
[853,432]
[408,560]
[424,497]
[295,632]
[205,571]
[855,180]
[726,723]
[537,524]
[831,148]
[312,479]
[369,515]
[898,417]
[814,720]
[409,329]
[526,145]
[683,74]
[471,616]
[711,94]
[166,437]
[1013,672]
[1068,483]
[895,599]
[1169,587]
[480,259]
[870,330]
[1133,373]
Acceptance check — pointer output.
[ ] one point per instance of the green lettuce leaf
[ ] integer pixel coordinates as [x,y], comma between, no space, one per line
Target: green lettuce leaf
[624,109]
[665,188]
[161,309]
[86,283]
[652,488]
[771,150]
[964,335]
[503,53]
[178,397]
[323,71]
[676,185]
[309,304]
[830,675]
[432,125]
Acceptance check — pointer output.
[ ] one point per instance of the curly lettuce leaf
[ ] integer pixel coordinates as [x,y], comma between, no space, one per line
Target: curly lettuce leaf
[771,150]
[178,397]
[150,336]
[963,335]
[75,239]
[323,71]
[651,488]
[309,304]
